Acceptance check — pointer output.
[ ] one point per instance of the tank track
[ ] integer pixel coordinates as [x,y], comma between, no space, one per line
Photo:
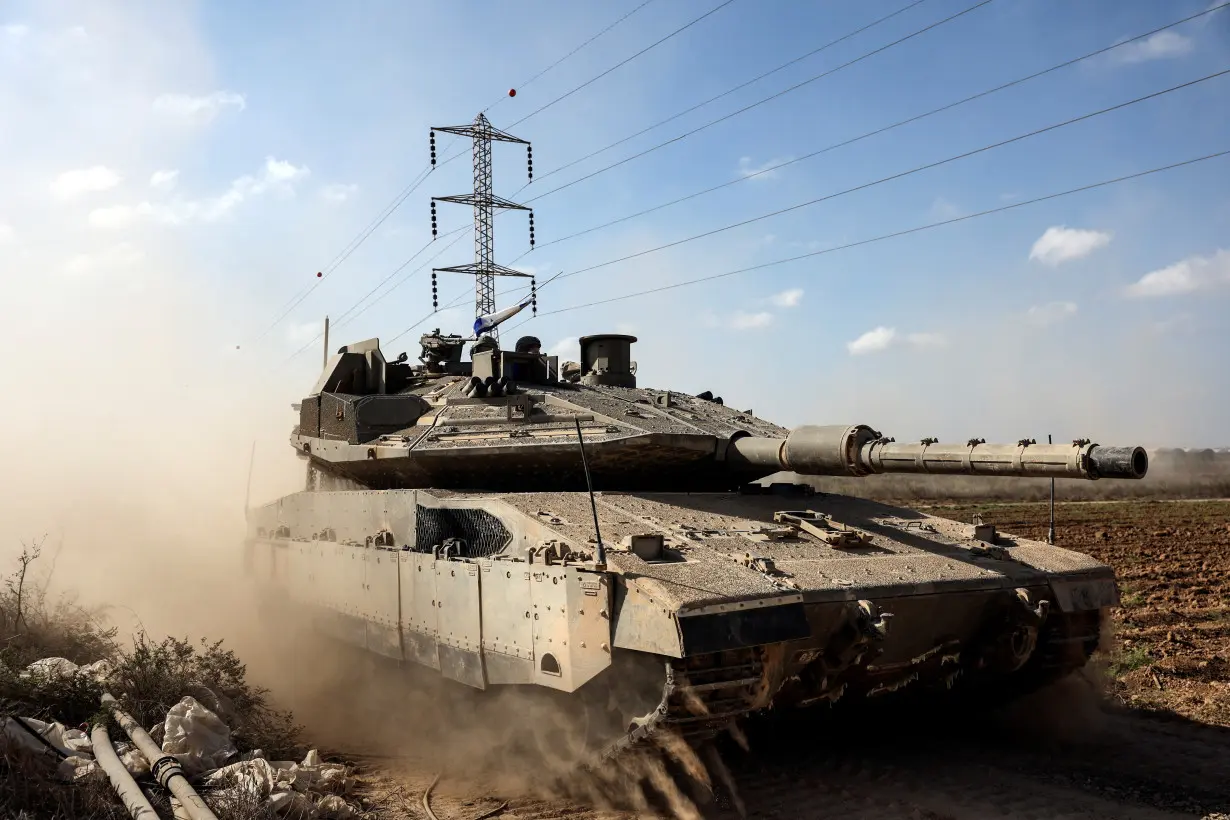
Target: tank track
[703,695]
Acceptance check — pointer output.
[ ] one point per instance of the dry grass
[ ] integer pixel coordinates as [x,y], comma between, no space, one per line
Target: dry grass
[147,678]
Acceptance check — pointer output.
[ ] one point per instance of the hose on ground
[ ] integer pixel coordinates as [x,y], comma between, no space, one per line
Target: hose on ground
[134,799]
[166,769]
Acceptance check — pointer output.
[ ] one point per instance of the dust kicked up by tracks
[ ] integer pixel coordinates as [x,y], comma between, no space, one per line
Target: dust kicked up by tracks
[1061,753]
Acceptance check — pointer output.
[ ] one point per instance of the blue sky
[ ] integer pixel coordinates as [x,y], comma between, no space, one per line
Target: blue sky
[179,172]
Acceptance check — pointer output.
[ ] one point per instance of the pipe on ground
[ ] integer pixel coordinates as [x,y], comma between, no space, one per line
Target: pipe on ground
[135,802]
[166,769]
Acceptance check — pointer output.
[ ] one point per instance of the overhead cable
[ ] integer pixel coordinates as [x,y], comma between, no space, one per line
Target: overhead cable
[422,175]
[895,234]
[868,134]
[730,91]
[901,174]
[623,62]
[761,102]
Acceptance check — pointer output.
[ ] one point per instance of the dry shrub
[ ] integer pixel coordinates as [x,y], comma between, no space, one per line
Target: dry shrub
[148,679]
[30,789]
[152,677]
[33,625]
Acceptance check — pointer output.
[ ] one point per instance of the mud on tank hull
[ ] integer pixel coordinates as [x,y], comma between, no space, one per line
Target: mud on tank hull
[711,606]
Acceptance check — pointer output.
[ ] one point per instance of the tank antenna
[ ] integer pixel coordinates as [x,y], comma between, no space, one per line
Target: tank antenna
[1050,534]
[484,268]
[593,505]
[326,357]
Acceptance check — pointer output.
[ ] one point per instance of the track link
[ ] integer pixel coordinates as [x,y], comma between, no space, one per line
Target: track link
[702,696]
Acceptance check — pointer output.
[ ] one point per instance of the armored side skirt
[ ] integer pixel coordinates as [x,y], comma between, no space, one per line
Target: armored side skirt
[478,621]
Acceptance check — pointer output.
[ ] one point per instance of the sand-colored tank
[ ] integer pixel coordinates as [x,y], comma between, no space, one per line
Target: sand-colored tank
[447,521]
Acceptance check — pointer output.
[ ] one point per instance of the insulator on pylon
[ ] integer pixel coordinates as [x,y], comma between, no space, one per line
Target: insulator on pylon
[432,142]
[433,219]
[534,295]
[529,162]
[531,229]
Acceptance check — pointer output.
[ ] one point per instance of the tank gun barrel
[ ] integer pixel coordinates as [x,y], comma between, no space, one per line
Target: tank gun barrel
[858,450]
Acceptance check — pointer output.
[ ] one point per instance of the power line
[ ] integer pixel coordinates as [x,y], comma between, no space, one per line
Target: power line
[758,103]
[354,245]
[413,185]
[878,131]
[398,270]
[342,320]
[895,234]
[730,91]
[901,174]
[623,62]
[569,54]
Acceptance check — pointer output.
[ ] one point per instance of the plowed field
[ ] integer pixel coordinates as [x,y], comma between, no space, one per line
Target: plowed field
[1170,648]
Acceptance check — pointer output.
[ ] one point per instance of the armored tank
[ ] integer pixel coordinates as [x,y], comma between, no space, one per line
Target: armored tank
[513,521]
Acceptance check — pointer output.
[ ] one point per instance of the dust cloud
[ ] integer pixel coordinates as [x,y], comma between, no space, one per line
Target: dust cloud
[130,433]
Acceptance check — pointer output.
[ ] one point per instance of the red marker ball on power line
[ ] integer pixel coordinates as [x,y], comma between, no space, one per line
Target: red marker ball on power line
[319,274]
[512,92]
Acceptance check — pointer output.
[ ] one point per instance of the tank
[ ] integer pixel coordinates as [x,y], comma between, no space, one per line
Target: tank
[508,520]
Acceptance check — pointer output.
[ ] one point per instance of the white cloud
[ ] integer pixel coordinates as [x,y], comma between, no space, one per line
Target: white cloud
[279,170]
[1063,244]
[1160,46]
[787,298]
[80,181]
[201,109]
[7,234]
[1050,313]
[277,176]
[882,338]
[872,341]
[338,192]
[15,30]
[1186,276]
[116,257]
[765,170]
[749,321]
[164,180]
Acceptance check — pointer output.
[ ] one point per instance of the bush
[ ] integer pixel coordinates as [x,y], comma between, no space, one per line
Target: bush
[147,679]
[153,677]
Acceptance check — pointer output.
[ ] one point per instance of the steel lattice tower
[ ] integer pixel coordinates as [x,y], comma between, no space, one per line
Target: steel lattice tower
[484,268]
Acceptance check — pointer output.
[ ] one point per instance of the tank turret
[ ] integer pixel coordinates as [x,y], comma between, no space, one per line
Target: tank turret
[506,419]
